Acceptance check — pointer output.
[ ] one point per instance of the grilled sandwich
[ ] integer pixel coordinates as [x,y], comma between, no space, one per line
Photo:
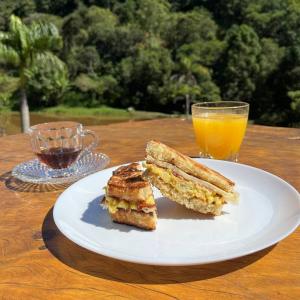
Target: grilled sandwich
[129,198]
[186,181]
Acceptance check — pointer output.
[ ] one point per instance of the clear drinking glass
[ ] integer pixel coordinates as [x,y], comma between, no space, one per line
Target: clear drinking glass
[60,144]
[220,128]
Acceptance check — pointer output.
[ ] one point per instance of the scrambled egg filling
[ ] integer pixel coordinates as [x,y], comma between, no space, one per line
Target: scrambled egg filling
[113,204]
[187,187]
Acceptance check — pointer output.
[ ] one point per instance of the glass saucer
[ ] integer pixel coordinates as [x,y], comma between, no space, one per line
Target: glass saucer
[35,172]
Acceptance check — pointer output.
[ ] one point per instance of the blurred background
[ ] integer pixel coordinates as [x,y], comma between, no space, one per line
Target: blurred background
[102,61]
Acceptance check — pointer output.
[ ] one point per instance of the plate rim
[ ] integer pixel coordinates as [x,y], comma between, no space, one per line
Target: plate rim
[146,261]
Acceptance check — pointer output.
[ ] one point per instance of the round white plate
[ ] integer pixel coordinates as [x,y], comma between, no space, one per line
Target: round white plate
[268,211]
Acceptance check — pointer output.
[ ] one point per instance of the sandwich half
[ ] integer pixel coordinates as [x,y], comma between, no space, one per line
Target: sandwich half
[186,181]
[129,198]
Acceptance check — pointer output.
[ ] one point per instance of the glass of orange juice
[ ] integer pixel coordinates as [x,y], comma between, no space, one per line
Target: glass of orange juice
[220,128]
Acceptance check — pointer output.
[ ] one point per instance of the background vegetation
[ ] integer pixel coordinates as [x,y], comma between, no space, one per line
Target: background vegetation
[156,54]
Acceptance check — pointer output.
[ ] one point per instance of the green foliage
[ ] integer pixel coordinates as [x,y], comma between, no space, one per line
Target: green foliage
[194,80]
[124,41]
[204,52]
[275,18]
[44,18]
[144,74]
[103,3]
[295,106]
[98,88]
[190,27]
[241,63]
[56,7]
[270,57]
[83,60]
[8,86]
[152,16]
[93,26]
[25,48]
[22,8]
[103,111]
[47,85]
[23,44]
[156,54]
[295,96]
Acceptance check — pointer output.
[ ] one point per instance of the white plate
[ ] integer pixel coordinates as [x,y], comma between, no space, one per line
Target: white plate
[268,211]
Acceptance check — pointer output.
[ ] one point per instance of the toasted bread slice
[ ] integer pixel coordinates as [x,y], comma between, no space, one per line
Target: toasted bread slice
[129,198]
[160,152]
[135,218]
[128,184]
[185,192]
[232,196]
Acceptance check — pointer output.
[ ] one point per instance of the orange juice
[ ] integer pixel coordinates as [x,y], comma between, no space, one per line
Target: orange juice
[219,135]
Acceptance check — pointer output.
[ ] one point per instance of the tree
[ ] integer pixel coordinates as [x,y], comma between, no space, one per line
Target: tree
[103,3]
[47,85]
[144,75]
[152,15]
[186,83]
[96,87]
[22,8]
[193,82]
[8,85]
[124,40]
[226,12]
[269,61]
[190,27]
[295,104]
[143,53]
[93,26]
[241,60]
[22,47]
[275,18]
[206,53]
[83,60]
[45,18]
[57,7]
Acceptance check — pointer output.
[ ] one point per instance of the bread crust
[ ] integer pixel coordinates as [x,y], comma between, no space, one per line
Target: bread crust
[232,197]
[135,218]
[127,183]
[162,152]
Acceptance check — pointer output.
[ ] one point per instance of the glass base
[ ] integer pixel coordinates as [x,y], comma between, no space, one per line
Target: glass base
[233,157]
[34,171]
[59,173]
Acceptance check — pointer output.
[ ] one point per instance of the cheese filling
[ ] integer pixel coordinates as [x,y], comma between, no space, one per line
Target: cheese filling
[186,187]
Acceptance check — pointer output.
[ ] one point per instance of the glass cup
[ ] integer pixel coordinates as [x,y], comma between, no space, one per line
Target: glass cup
[60,144]
[220,128]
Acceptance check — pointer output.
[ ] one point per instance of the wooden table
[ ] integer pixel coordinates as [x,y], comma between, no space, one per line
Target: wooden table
[38,262]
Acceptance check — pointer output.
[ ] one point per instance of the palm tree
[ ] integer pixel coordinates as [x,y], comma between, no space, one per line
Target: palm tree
[25,46]
[186,84]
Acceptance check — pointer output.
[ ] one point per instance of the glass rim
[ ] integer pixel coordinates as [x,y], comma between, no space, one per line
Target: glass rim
[228,105]
[47,126]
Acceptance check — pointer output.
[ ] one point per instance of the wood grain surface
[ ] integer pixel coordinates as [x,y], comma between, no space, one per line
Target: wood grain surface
[38,262]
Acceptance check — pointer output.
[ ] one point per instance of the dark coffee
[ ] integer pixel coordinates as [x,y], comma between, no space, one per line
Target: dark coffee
[58,158]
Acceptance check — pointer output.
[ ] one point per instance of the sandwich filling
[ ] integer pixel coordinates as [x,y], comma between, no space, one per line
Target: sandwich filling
[232,197]
[189,189]
[113,204]
[162,153]
[128,190]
